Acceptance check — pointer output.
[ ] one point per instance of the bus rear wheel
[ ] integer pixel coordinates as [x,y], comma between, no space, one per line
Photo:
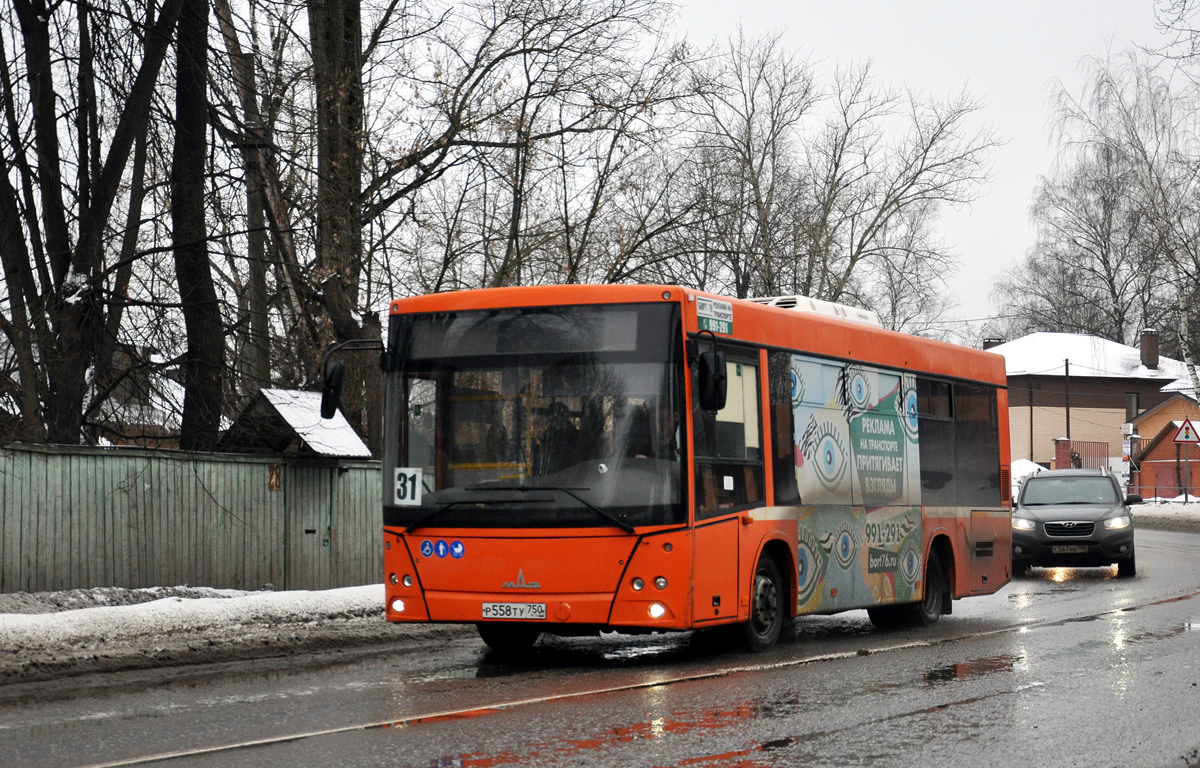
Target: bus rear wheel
[508,638]
[937,586]
[767,605]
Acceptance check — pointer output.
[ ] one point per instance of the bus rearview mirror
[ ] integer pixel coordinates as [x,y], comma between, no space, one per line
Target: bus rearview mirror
[331,391]
[712,381]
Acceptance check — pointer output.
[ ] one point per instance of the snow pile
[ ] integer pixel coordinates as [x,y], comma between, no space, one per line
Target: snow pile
[178,614]
[44,636]
[1175,509]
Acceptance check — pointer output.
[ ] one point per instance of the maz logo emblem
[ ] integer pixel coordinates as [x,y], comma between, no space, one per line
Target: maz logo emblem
[521,583]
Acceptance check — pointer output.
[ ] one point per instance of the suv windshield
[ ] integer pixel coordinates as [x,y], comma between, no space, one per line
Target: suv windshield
[542,417]
[1069,490]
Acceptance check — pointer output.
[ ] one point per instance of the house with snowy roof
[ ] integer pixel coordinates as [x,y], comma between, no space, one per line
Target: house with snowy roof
[1082,388]
[288,421]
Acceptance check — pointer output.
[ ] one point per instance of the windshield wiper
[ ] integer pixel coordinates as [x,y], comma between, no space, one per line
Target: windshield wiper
[620,522]
[420,521]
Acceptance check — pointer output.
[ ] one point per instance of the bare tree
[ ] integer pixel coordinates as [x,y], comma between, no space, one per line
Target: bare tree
[882,169]
[67,253]
[1094,266]
[750,101]
[1133,110]
[831,192]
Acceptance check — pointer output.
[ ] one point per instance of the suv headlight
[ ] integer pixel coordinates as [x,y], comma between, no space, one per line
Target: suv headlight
[1116,523]
[1022,524]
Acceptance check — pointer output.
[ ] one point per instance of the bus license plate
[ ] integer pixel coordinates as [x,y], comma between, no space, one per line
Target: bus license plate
[515,611]
[1069,549]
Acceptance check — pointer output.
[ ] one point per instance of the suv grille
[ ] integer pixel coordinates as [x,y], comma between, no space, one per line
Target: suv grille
[1069,529]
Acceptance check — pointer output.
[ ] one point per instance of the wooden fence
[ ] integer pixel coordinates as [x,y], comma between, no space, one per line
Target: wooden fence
[74,517]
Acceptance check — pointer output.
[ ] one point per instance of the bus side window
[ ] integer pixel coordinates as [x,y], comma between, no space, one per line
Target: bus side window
[783,428]
[977,438]
[935,415]
[728,443]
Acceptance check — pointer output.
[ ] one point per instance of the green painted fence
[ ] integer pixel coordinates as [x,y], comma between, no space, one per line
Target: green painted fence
[76,517]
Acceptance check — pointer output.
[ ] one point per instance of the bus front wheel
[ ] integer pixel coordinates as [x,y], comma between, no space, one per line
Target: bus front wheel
[508,638]
[767,605]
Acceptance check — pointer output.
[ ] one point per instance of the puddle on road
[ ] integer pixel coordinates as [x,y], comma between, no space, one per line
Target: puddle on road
[965,671]
[674,723]
[1152,636]
[677,723]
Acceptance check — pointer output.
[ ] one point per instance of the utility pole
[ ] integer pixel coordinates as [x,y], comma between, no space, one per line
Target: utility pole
[1067,369]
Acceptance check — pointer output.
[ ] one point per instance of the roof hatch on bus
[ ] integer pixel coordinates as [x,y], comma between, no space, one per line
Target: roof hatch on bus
[820,307]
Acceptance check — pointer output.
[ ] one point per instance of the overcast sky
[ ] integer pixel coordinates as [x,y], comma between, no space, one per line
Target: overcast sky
[1006,53]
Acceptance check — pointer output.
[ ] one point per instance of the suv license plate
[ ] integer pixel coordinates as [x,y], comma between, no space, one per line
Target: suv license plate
[515,611]
[1069,549]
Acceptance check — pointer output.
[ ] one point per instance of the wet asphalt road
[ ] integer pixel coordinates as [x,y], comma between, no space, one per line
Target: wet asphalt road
[1059,668]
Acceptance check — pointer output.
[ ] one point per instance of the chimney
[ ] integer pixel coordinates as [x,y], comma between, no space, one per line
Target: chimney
[992,341]
[1149,347]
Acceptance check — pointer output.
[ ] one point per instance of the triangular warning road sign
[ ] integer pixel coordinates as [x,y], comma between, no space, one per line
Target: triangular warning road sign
[1187,433]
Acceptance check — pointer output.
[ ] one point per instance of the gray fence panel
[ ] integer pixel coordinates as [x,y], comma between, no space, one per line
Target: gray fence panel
[308,500]
[90,517]
[357,518]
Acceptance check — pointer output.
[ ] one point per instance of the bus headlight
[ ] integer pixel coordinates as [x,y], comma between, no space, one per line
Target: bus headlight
[638,584]
[398,605]
[657,610]
[660,582]
[407,580]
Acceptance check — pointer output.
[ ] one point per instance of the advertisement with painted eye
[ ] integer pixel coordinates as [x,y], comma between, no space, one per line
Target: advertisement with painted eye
[856,436]
[857,466]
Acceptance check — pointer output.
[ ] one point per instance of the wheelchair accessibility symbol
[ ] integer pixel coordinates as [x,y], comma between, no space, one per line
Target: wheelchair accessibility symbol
[427,548]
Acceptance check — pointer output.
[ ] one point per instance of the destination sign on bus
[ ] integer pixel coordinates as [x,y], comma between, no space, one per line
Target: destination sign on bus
[714,315]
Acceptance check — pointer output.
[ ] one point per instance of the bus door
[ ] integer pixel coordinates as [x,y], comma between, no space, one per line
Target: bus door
[729,479]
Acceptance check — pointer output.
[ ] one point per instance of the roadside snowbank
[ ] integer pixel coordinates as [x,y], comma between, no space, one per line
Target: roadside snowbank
[43,637]
[196,613]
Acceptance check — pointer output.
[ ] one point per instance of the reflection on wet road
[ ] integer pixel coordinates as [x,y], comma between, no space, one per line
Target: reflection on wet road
[1061,667]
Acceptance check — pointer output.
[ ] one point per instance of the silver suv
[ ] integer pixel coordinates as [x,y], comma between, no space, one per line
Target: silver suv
[1073,517]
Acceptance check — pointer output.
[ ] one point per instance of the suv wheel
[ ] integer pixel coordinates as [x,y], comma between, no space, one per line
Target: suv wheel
[1127,568]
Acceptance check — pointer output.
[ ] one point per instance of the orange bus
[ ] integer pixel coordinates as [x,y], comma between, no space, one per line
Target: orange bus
[570,459]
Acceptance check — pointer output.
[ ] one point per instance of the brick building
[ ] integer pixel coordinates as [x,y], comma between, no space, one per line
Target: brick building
[1166,469]
[1161,467]
[1082,388]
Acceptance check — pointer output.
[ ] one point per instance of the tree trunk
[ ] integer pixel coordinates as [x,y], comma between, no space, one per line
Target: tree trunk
[204,360]
[15,258]
[336,36]
[256,154]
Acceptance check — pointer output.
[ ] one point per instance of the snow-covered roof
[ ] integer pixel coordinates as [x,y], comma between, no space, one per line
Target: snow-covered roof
[1043,354]
[1182,385]
[329,437]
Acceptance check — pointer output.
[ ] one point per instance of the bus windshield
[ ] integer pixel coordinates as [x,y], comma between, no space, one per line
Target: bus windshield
[535,418]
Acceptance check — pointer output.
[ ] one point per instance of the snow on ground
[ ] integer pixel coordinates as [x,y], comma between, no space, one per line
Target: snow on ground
[58,634]
[48,635]
[1170,514]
